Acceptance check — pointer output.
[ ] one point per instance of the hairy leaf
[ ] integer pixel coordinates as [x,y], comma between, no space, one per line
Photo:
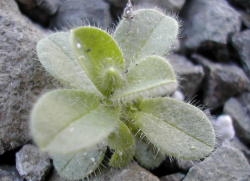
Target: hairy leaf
[147,155]
[56,56]
[100,57]
[178,129]
[152,76]
[123,144]
[149,32]
[65,121]
[78,165]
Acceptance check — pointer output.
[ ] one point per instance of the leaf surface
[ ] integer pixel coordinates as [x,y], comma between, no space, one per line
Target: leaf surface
[152,76]
[65,121]
[149,32]
[56,55]
[78,165]
[147,155]
[177,128]
[123,144]
[100,57]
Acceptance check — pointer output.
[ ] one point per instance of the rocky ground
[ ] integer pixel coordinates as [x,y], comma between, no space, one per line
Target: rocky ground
[212,59]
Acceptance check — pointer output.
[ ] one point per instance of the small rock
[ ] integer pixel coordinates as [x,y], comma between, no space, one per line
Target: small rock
[245,4]
[56,177]
[29,4]
[239,109]
[32,164]
[73,13]
[246,19]
[226,163]
[134,173]
[224,129]
[222,81]
[185,165]
[177,46]
[39,10]
[173,177]
[167,167]
[9,5]
[241,42]
[120,4]
[190,75]
[167,5]
[209,22]
[48,7]
[242,147]
[22,77]
[9,174]
[178,95]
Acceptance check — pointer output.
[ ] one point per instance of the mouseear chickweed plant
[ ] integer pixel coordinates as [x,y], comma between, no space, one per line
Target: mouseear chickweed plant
[115,100]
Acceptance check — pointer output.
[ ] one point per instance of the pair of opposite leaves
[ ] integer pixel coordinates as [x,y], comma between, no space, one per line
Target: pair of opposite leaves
[116,83]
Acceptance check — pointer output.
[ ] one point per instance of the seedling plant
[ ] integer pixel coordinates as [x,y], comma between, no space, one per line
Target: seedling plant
[115,99]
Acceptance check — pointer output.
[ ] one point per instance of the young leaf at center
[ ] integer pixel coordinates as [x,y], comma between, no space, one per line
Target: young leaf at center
[123,143]
[100,57]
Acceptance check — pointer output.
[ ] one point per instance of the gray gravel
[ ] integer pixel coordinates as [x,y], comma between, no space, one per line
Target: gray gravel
[32,164]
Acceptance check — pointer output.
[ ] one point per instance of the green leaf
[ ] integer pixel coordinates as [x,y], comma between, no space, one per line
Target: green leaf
[152,76]
[123,143]
[100,57]
[79,165]
[65,121]
[147,155]
[55,54]
[149,32]
[178,129]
